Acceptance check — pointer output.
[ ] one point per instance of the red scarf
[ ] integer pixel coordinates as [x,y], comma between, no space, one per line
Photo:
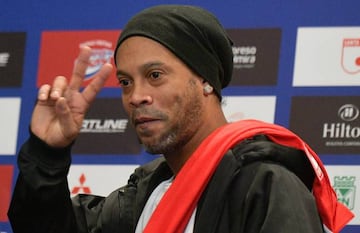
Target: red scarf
[178,203]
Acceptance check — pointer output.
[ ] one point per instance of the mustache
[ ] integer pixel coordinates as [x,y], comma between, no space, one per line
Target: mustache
[148,113]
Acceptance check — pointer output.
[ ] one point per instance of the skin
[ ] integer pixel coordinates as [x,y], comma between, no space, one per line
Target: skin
[61,107]
[164,99]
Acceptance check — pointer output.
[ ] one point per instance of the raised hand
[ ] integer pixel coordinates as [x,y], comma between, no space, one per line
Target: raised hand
[60,109]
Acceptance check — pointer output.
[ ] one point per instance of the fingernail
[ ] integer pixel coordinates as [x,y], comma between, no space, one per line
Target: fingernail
[42,96]
[55,94]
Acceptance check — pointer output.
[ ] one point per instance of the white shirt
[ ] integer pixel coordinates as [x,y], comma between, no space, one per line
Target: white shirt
[152,203]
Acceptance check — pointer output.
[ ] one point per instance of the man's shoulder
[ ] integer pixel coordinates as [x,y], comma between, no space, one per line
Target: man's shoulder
[261,150]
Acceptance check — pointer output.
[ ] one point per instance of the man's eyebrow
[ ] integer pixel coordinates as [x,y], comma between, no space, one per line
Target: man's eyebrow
[121,73]
[151,64]
[143,67]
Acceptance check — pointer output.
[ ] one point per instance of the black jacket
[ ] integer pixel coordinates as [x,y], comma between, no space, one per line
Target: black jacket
[258,187]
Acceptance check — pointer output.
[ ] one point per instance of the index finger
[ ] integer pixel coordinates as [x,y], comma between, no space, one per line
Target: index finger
[81,64]
[97,83]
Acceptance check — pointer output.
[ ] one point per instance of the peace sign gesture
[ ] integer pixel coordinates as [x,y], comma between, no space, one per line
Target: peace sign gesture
[60,109]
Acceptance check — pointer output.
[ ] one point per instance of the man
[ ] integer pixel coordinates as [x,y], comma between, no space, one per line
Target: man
[172,62]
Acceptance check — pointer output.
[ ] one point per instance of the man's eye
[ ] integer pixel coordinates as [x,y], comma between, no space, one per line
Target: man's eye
[155,75]
[124,82]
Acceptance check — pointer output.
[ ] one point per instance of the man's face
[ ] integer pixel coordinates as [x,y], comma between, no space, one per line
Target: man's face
[161,95]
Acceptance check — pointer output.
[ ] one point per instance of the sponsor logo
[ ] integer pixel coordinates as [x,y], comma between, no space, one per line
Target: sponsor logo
[348,112]
[350,57]
[104,125]
[244,56]
[59,60]
[106,130]
[12,48]
[101,54]
[344,180]
[98,179]
[6,172]
[81,187]
[334,63]
[330,124]
[343,129]
[345,188]
[254,56]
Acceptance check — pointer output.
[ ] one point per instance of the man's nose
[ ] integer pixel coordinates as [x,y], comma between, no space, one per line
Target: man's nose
[140,96]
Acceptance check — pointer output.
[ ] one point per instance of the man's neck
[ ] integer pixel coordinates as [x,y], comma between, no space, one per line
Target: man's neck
[178,158]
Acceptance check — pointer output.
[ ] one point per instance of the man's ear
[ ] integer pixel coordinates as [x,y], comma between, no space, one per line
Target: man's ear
[208,89]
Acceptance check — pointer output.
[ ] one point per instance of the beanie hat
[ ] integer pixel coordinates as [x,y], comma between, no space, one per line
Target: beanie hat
[193,34]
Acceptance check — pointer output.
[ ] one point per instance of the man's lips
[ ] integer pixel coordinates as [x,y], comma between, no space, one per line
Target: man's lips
[144,120]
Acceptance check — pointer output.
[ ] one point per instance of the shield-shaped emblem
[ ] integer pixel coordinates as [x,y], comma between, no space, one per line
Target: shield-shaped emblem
[350,57]
[99,57]
[345,188]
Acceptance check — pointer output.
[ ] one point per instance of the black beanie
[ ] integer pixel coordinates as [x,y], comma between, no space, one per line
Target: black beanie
[193,34]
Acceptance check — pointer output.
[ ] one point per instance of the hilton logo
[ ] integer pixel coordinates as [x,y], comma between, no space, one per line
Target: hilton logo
[330,124]
[347,113]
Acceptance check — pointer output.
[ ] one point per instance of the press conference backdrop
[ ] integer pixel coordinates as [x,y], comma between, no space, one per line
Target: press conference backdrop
[296,63]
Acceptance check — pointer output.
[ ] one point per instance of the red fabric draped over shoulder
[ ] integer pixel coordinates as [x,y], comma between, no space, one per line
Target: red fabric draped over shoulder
[181,199]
